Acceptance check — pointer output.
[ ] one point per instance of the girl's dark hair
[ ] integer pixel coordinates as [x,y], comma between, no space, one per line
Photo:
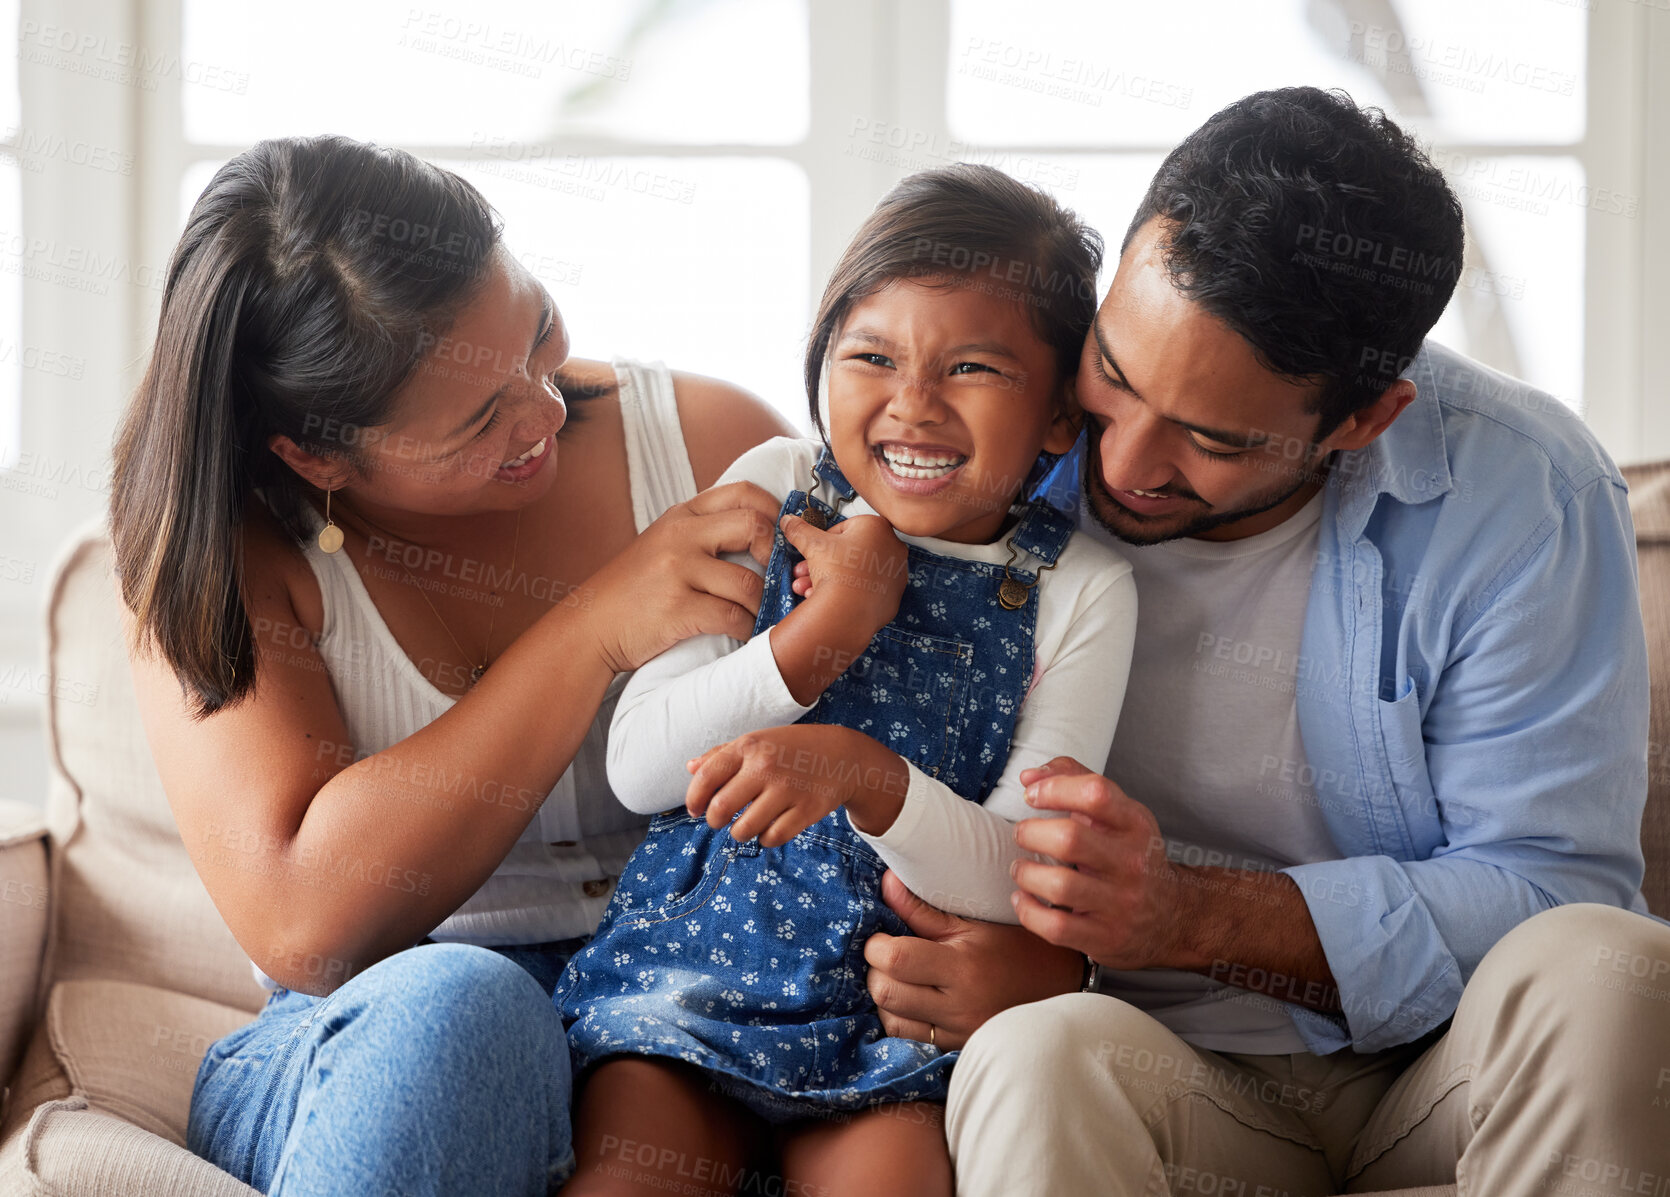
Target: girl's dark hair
[1317,230]
[312,277]
[975,222]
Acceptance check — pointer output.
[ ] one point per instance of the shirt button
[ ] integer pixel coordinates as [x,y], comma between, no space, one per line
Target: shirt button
[596,889]
[564,843]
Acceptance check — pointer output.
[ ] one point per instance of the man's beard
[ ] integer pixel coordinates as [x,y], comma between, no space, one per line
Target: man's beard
[1130,525]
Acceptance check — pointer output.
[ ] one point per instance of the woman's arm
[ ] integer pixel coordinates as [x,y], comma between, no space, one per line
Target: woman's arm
[710,690]
[312,855]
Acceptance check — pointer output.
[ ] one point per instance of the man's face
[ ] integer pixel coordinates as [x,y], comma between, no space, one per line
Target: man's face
[1190,434]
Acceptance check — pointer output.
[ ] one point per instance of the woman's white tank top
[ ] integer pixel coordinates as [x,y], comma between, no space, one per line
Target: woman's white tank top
[558,876]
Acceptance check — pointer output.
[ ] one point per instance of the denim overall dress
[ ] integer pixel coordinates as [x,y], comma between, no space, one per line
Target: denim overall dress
[749,961]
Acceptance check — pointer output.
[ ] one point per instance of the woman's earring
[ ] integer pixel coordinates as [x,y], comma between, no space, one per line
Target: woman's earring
[330,536]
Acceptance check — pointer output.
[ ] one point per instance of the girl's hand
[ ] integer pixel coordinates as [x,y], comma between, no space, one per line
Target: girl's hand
[669,584]
[784,779]
[857,569]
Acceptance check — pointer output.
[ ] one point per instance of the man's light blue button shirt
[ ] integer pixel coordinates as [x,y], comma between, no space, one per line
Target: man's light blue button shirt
[1474,671]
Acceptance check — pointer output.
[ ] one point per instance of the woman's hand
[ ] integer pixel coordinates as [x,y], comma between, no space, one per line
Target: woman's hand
[784,779]
[669,583]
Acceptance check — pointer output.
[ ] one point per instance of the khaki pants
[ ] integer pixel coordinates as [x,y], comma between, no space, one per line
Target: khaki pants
[1553,1078]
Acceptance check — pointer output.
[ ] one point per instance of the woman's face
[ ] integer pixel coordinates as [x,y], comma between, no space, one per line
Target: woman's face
[475,426]
[941,395]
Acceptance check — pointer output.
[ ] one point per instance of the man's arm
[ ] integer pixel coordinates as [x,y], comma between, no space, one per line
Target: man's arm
[1532,751]
[1115,898]
[1529,744]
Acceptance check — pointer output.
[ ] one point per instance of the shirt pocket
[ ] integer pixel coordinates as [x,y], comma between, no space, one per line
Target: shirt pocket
[1400,729]
[678,868]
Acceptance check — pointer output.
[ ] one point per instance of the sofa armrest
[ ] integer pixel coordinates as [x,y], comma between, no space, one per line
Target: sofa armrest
[23,926]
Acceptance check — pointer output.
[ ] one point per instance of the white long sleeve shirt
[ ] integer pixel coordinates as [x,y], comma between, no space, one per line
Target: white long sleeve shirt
[954,853]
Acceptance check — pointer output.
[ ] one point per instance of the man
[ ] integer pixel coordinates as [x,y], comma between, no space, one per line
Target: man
[1388,710]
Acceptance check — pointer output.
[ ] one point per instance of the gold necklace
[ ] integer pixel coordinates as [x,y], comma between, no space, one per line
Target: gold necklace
[475,670]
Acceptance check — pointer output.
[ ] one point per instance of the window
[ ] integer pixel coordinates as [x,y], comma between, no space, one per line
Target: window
[12,161]
[684,173]
[1103,89]
[634,150]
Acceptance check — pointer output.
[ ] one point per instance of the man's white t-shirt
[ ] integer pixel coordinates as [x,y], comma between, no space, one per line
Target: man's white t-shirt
[1209,741]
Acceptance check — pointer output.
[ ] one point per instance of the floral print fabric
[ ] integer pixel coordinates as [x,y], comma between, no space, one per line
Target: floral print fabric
[748,961]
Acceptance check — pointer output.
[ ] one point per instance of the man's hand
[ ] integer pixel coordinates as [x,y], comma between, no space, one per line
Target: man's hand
[956,973]
[1113,895]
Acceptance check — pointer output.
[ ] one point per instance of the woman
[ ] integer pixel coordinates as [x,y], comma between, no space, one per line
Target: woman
[385,553]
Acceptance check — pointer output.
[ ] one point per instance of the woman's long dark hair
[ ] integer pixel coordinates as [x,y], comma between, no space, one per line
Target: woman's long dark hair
[312,276]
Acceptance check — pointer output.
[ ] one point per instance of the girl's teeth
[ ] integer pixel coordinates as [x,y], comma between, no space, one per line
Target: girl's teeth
[907,464]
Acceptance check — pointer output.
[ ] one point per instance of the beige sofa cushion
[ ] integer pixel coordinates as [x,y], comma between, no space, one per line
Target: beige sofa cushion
[38,1080]
[133,1050]
[70,1149]
[1649,505]
[101,1101]
[127,904]
[23,920]
[104,1092]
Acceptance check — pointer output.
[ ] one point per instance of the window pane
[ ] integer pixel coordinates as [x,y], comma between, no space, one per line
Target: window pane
[12,265]
[11,258]
[1519,303]
[10,105]
[701,263]
[1086,72]
[456,72]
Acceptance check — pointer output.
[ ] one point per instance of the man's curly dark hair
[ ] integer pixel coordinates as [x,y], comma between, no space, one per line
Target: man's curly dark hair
[1317,230]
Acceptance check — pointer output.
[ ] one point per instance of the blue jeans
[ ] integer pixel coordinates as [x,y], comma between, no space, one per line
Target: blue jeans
[442,1069]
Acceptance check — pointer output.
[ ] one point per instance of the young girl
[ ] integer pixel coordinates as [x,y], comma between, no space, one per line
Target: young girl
[904,680]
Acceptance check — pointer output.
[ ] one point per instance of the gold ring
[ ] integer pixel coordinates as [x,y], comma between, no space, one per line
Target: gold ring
[931,1033]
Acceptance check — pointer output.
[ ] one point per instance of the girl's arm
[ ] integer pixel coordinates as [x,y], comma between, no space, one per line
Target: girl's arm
[703,691]
[707,689]
[956,854]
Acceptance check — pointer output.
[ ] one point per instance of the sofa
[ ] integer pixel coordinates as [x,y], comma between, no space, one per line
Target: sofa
[117,973]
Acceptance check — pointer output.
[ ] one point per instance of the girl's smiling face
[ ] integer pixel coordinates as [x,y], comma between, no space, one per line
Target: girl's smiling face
[941,396]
